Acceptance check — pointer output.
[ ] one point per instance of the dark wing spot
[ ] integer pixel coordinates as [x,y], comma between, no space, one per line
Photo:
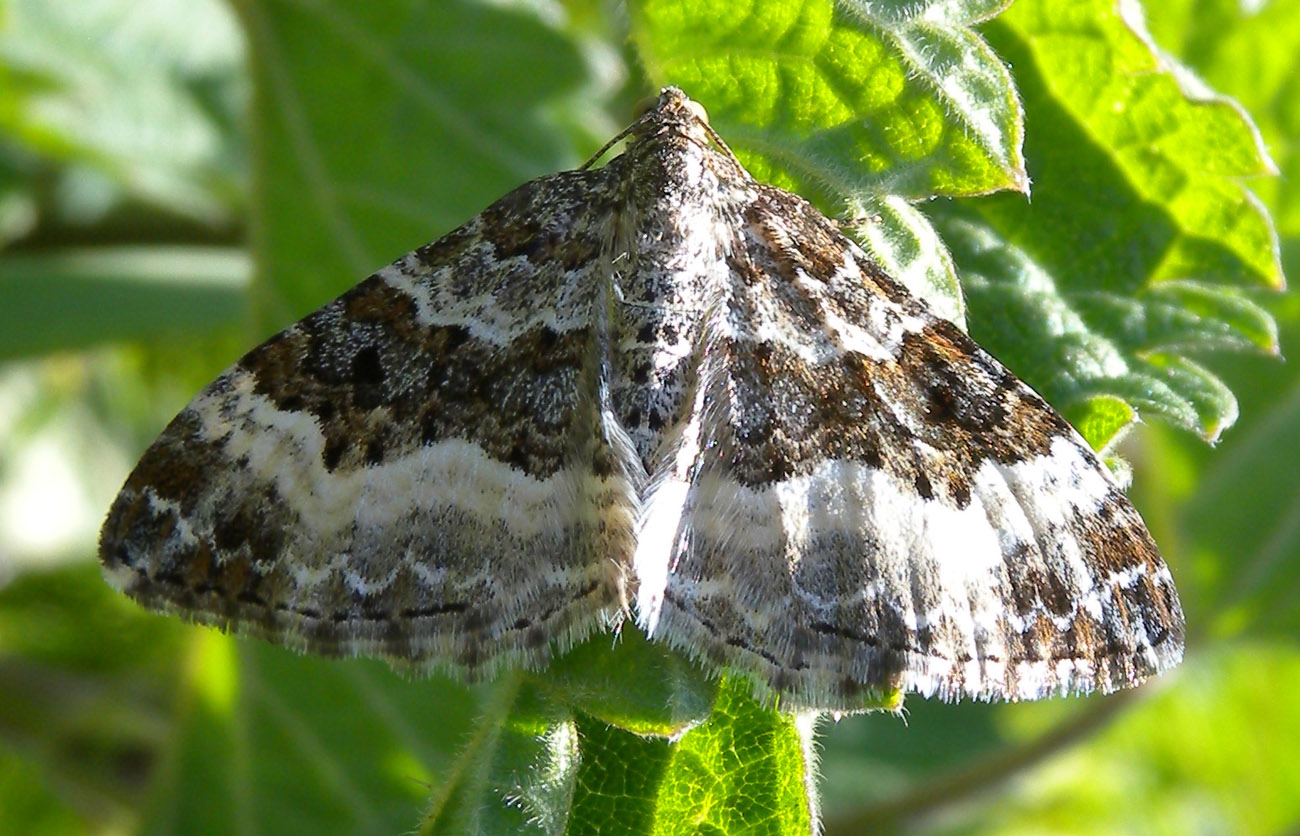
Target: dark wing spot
[333,453]
[368,378]
[367,367]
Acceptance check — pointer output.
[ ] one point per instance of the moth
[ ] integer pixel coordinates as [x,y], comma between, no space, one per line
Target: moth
[661,390]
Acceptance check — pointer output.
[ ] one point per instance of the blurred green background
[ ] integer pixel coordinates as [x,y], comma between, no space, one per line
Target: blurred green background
[157,155]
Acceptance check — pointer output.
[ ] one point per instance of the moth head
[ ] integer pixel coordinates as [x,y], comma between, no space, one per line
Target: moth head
[673,103]
[674,111]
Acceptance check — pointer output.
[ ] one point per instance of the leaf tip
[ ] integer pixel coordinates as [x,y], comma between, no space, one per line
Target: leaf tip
[1212,431]
[1020,180]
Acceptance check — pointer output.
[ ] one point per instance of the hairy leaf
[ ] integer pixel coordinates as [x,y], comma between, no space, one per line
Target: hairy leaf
[1140,234]
[1237,509]
[1131,256]
[853,105]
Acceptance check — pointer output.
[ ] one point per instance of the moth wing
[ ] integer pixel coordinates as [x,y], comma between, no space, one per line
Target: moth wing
[878,504]
[415,470]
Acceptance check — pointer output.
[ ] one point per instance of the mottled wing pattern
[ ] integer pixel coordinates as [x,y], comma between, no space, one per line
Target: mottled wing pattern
[417,470]
[658,381]
[879,504]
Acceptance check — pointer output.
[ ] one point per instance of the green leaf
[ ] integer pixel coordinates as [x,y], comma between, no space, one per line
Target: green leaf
[620,781]
[1139,228]
[900,237]
[1101,420]
[858,107]
[745,770]
[644,688]
[1248,51]
[570,751]
[844,101]
[581,743]
[1139,233]
[381,126]
[1184,316]
[1241,523]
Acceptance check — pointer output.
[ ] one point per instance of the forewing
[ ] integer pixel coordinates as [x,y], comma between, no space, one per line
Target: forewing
[415,470]
[879,504]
